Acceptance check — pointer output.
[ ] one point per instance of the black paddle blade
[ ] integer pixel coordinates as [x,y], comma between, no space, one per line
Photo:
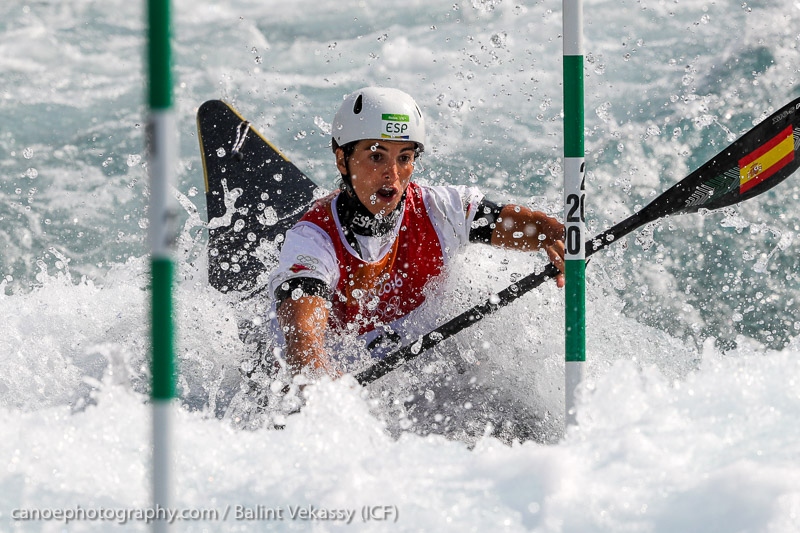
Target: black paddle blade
[253,193]
[756,162]
[759,160]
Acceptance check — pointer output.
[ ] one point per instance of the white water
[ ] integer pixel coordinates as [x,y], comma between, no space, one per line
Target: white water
[689,418]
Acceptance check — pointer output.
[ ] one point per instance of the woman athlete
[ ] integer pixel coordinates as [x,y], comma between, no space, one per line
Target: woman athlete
[360,260]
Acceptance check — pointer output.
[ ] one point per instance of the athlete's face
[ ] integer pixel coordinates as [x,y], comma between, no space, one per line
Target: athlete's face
[381,171]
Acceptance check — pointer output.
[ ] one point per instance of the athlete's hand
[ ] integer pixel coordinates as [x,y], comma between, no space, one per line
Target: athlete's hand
[555,252]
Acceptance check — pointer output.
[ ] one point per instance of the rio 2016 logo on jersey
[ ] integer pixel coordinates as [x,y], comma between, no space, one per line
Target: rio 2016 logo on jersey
[394,126]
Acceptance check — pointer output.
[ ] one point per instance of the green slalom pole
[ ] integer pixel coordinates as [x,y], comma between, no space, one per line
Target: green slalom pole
[574,202]
[161,148]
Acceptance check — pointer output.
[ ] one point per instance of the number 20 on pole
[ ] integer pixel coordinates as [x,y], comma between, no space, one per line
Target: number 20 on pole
[576,216]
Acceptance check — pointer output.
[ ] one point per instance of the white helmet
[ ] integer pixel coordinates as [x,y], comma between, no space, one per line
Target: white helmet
[378,113]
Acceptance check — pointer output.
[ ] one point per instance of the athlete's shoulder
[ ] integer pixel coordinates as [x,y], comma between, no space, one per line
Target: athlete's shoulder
[452,198]
[320,207]
[307,251]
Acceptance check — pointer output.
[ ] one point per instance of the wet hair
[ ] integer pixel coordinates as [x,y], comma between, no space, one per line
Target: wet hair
[345,182]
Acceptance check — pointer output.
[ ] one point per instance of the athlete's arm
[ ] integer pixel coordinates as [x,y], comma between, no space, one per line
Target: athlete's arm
[521,228]
[304,320]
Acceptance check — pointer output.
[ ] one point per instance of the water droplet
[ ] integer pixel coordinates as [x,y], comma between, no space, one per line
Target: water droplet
[133,159]
[603,111]
[297,293]
[498,40]
[269,217]
[32,173]
[27,153]
[220,152]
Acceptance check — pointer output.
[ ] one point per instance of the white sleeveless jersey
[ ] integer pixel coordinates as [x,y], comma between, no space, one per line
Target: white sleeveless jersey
[309,251]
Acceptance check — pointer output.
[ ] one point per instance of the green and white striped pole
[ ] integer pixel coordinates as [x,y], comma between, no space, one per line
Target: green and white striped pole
[161,147]
[574,201]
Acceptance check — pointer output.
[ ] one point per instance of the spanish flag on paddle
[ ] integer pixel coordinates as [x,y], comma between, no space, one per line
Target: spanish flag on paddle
[763,162]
